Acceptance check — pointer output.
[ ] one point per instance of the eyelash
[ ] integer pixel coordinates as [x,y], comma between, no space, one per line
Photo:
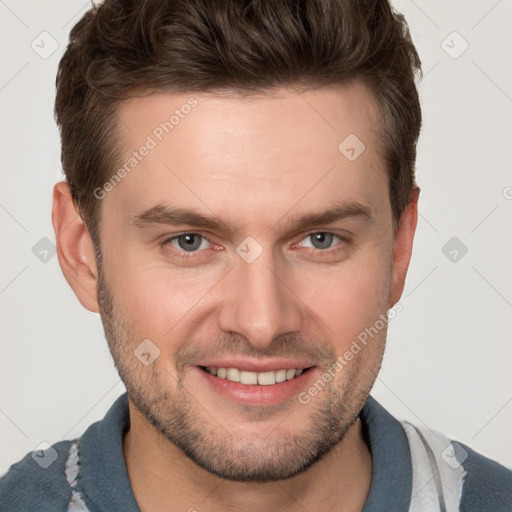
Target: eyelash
[193,254]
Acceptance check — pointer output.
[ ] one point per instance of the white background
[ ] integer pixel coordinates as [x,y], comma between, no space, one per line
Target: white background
[448,361]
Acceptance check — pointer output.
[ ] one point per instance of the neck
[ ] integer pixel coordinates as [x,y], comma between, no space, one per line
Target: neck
[164,478]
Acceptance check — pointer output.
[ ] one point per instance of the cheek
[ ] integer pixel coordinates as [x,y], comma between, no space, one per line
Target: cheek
[156,301]
[349,298]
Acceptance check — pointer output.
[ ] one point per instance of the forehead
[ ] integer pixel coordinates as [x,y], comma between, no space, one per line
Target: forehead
[301,114]
[257,154]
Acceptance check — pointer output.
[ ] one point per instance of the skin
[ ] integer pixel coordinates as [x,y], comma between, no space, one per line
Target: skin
[258,163]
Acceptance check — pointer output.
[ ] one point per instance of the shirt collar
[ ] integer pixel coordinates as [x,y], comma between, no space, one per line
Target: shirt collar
[391,485]
[103,478]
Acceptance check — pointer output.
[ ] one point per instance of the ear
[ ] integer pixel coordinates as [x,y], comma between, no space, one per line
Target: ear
[402,248]
[75,249]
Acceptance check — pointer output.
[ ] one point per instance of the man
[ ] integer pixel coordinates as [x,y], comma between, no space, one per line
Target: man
[240,206]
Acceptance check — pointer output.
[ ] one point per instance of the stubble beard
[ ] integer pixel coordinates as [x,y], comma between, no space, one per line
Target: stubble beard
[178,415]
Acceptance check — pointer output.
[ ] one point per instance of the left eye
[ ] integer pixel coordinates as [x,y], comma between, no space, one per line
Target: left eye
[189,242]
[321,240]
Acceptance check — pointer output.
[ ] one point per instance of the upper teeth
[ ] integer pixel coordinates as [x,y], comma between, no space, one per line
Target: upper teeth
[261,378]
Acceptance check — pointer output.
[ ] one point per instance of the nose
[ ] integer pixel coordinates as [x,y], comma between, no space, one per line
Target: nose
[259,303]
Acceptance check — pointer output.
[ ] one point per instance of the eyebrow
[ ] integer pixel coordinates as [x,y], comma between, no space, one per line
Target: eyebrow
[161,214]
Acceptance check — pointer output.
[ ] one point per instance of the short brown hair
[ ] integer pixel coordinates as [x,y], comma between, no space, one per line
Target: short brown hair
[246,46]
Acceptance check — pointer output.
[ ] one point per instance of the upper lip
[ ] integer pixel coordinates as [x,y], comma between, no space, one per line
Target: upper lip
[249,365]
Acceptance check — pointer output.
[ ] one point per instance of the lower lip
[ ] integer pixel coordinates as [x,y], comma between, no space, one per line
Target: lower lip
[248,394]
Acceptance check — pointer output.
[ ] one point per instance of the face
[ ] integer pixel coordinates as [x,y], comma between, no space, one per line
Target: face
[243,253]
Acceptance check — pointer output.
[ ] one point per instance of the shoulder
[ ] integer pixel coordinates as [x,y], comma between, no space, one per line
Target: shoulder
[37,482]
[487,484]
[450,472]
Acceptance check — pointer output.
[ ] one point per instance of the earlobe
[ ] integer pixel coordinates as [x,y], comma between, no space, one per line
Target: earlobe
[75,248]
[402,249]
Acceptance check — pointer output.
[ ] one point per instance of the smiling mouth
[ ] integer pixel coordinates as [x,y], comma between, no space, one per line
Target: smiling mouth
[268,378]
